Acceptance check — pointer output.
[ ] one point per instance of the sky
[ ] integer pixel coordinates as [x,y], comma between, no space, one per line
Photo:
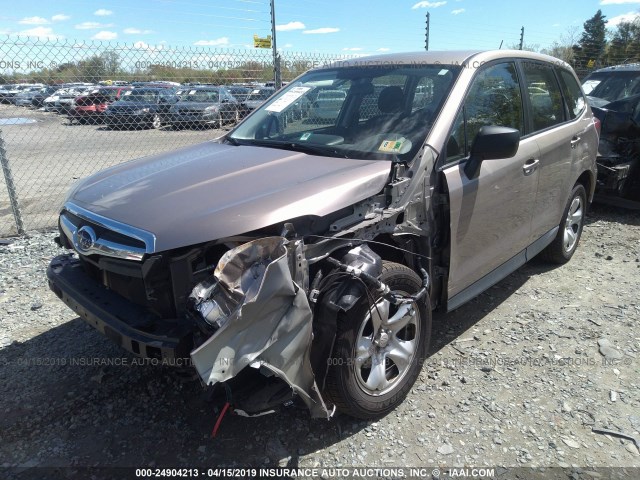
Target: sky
[350,27]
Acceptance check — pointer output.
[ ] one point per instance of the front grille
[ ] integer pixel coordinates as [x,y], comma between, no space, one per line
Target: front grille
[92,234]
[105,233]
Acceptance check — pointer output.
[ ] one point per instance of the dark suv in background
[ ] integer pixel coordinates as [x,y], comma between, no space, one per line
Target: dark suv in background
[204,105]
[141,107]
[614,95]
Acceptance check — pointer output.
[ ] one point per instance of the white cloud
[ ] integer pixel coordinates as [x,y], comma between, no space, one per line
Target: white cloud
[287,45]
[213,43]
[617,2]
[41,32]
[92,25]
[353,49]
[105,35]
[457,11]
[428,5]
[625,17]
[145,46]
[34,21]
[383,49]
[136,31]
[61,17]
[103,12]
[290,26]
[322,30]
[556,25]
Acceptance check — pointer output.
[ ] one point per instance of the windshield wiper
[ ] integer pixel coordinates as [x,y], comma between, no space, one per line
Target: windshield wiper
[324,150]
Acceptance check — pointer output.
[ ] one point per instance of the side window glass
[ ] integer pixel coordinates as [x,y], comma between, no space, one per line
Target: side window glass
[572,94]
[493,99]
[544,95]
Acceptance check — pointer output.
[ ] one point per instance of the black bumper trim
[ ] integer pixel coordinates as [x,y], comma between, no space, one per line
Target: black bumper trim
[117,318]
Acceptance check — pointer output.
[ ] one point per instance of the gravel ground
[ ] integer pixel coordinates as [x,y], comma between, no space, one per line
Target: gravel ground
[517,377]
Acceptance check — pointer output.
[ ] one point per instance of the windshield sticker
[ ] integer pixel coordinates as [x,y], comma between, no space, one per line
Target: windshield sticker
[305,136]
[444,71]
[391,146]
[287,99]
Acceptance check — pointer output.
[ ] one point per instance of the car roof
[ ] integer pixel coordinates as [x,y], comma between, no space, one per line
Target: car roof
[444,57]
[629,67]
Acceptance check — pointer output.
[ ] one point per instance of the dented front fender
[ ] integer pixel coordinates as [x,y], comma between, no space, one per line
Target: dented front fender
[262,317]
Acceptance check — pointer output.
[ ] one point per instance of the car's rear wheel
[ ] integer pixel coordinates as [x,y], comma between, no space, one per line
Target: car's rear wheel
[379,349]
[564,245]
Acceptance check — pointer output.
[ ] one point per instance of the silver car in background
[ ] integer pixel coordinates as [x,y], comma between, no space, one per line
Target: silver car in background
[299,257]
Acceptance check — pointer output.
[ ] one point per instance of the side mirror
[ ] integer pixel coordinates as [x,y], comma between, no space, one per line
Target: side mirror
[491,143]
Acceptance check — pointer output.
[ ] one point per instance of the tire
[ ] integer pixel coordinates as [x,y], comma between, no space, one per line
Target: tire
[565,244]
[351,384]
[156,122]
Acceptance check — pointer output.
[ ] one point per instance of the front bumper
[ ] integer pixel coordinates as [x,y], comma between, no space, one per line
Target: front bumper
[129,119]
[129,325]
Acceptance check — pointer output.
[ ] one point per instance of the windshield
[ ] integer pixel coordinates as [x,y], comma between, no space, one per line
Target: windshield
[141,96]
[613,85]
[356,112]
[204,96]
[260,94]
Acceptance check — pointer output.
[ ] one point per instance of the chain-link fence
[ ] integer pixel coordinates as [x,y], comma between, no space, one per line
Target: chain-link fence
[55,126]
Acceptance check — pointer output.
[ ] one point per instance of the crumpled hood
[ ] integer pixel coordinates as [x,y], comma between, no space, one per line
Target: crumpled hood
[210,190]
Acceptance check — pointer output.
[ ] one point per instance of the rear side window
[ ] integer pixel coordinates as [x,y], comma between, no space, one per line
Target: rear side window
[572,95]
[544,94]
[493,99]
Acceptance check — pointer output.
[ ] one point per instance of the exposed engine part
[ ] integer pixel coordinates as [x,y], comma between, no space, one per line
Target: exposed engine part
[262,317]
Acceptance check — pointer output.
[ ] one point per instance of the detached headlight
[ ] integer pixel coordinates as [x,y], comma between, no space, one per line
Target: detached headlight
[141,111]
[236,279]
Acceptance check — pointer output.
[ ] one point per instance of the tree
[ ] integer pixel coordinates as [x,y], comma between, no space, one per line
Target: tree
[593,41]
[563,48]
[624,46]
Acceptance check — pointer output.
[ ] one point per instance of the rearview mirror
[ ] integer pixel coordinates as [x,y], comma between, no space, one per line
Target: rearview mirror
[491,143]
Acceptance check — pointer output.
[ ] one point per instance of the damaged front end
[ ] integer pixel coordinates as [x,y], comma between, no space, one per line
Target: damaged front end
[619,149]
[255,309]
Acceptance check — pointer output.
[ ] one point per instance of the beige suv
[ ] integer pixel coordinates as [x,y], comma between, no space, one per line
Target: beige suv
[300,257]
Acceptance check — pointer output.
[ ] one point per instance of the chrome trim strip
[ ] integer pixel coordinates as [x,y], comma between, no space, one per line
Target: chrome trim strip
[105,247]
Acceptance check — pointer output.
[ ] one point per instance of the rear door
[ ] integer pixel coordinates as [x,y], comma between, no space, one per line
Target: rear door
[557,136]
[490,215]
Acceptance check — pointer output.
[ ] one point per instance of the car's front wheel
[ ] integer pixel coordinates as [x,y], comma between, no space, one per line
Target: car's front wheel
[564,245]
[379,349]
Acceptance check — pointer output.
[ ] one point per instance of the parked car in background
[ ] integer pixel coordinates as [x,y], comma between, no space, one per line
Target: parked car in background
[327,104]
[10,91]
[204,105]
[61,101]
[238,92]
[38,99]
[255,98]
[614,95]
[26,96]
[66,101]
[90,108]
[142,107]
[299,260]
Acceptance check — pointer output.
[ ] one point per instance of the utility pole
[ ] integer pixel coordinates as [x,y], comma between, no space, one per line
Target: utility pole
[276,58]
[521,37]
[426,35]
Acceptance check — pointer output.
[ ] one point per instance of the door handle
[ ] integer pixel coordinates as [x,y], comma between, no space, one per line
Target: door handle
[530,166]
[574,141]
